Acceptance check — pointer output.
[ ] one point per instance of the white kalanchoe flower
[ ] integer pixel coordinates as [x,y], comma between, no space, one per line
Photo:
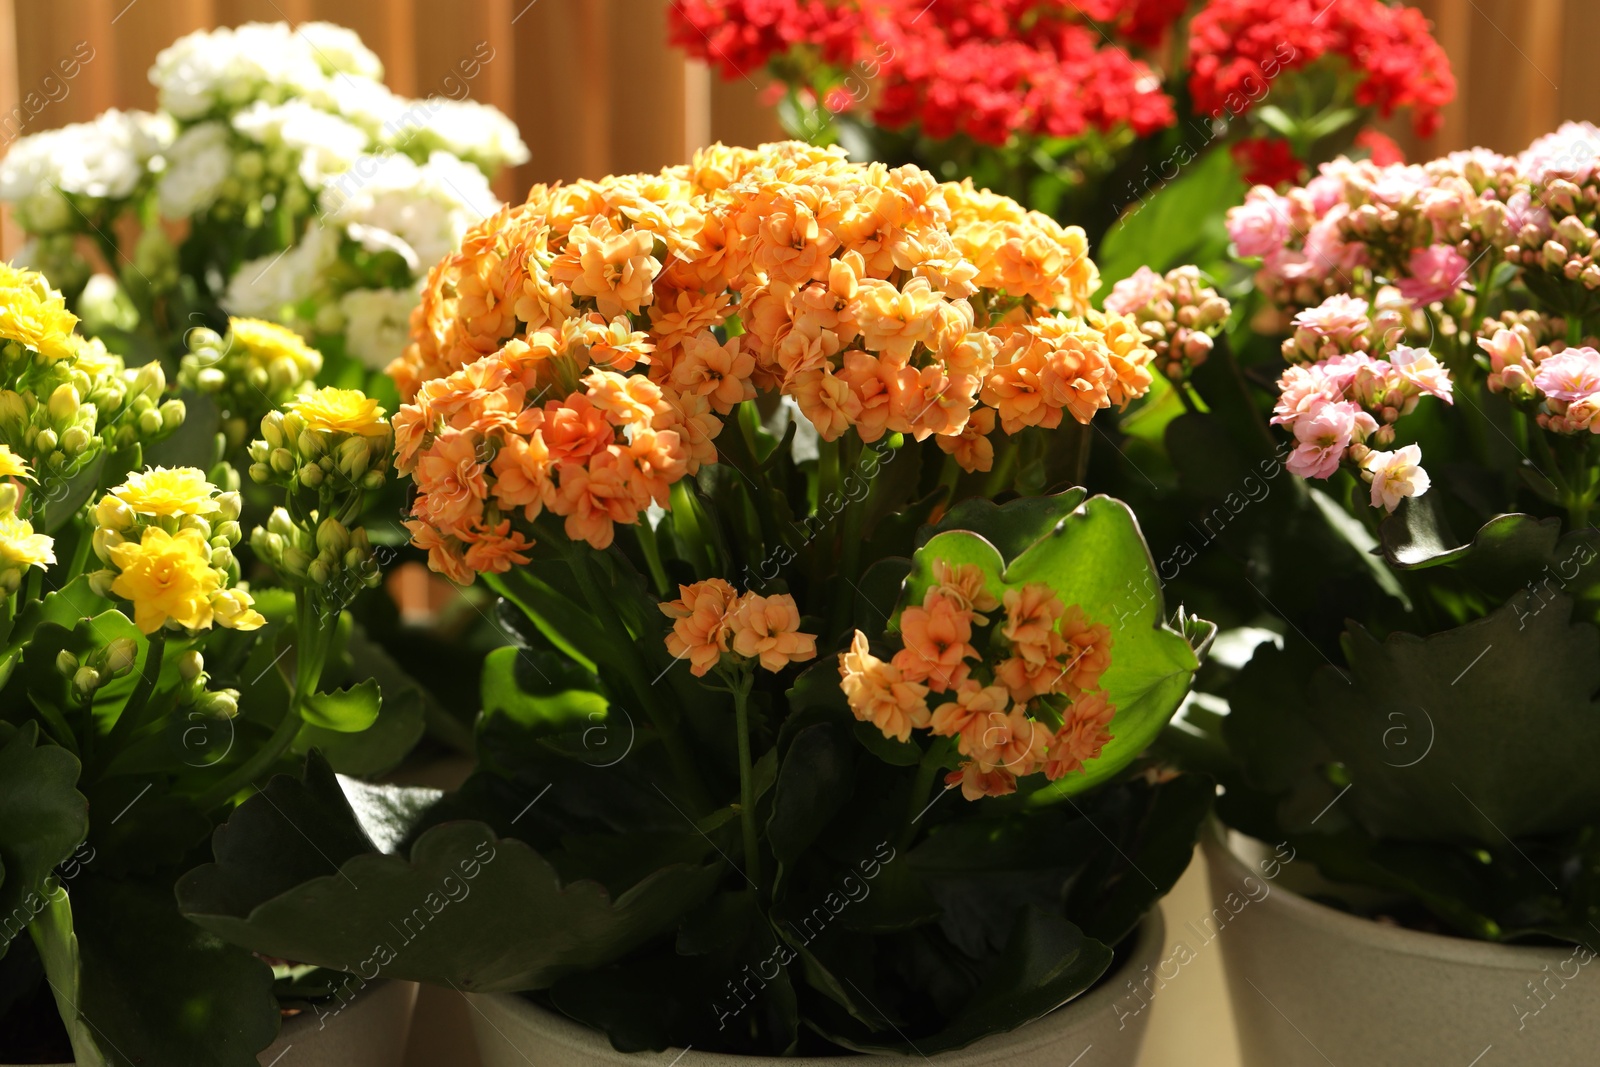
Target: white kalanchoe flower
[388,202]
[263,288]
[377,324]
[100,160]
[338,50]
[326,144]
[370,105]
[221,70]
[198,164]
[477,133]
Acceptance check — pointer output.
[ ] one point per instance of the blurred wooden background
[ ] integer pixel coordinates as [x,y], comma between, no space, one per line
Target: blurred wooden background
[595,88]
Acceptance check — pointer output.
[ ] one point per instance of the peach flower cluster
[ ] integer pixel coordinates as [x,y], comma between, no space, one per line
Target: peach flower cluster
[711,620]
[1035,708]
[581,351]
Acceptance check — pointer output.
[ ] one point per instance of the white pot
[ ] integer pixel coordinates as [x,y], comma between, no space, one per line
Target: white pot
[1313,986]
[369,1032]
[513,1031]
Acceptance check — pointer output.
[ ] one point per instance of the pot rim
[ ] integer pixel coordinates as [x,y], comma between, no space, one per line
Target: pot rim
[1148,939]
[1445,948]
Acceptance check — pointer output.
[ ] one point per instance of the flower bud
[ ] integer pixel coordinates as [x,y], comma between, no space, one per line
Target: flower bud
[280,523]
[317,573]
[220,703]
[190,664]
[64,401]
[66,662]
[76,441]
[86,681]
[120,655]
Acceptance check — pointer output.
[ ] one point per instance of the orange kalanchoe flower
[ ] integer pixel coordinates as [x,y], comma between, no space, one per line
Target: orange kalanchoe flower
[700,629]
[767,628]
[1081,737]
[1036,709]
[878,694]
[879,299]
[938,639]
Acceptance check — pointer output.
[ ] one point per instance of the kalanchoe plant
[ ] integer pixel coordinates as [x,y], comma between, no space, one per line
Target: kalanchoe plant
[1415,540]
[278,179]
[146,685]
[801,742]
[1081,108]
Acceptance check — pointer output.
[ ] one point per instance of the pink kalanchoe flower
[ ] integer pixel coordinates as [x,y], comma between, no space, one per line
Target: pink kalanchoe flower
[1338,318]
[1510,370]
[1138,290]
[1421,369]
[1570,375]
[1260,226]
[1395,476]
[1437,273]
[1303,390]
[1522,211]
[1324,435]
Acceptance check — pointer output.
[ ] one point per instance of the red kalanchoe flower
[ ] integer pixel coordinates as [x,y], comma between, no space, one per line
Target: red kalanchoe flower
[1238,47]
[1268,161]
[1380,148]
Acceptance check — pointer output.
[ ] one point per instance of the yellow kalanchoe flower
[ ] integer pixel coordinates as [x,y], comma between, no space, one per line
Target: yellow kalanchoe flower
[167,578]
[35,315]
[12,465]
[333,410]
[21,548]
[166,491]
[265,343]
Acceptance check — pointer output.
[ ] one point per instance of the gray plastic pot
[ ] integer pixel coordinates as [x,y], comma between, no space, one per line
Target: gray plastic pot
[1090,1031]
[1313,986]
[371,1031]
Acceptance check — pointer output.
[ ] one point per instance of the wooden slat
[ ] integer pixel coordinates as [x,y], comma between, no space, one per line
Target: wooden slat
[647,129]
[144,29]
[738,117]
[564,58]
[386,26]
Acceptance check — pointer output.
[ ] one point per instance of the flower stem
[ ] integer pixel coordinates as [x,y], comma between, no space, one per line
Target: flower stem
[246,773]
[747,783]
[926,770]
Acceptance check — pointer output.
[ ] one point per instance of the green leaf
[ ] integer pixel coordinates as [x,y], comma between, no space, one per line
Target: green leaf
[57,945]
[43,818]
[398,728]
[346,711]
[1502,728]
[958,548]
[813,785]
[157,989]
[483,913]
[1010,527]
[1046,962]
[1097,558]
[1182,222]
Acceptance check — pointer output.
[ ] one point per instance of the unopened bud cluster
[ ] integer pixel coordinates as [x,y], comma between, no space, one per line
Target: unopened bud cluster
[98,667]
[256,367]
[329,558]
[1179,314]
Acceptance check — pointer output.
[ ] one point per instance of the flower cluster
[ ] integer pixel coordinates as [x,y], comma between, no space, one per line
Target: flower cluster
[257,368]
[1178,312]
[988,71]
[314,196]
[580,352]
[1065,69]
[166,537]
[1033,705]
[1393,59]
[65,400]
[329,449]
[1529,359]
[1432,230]
[1339,398]
[712,621]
